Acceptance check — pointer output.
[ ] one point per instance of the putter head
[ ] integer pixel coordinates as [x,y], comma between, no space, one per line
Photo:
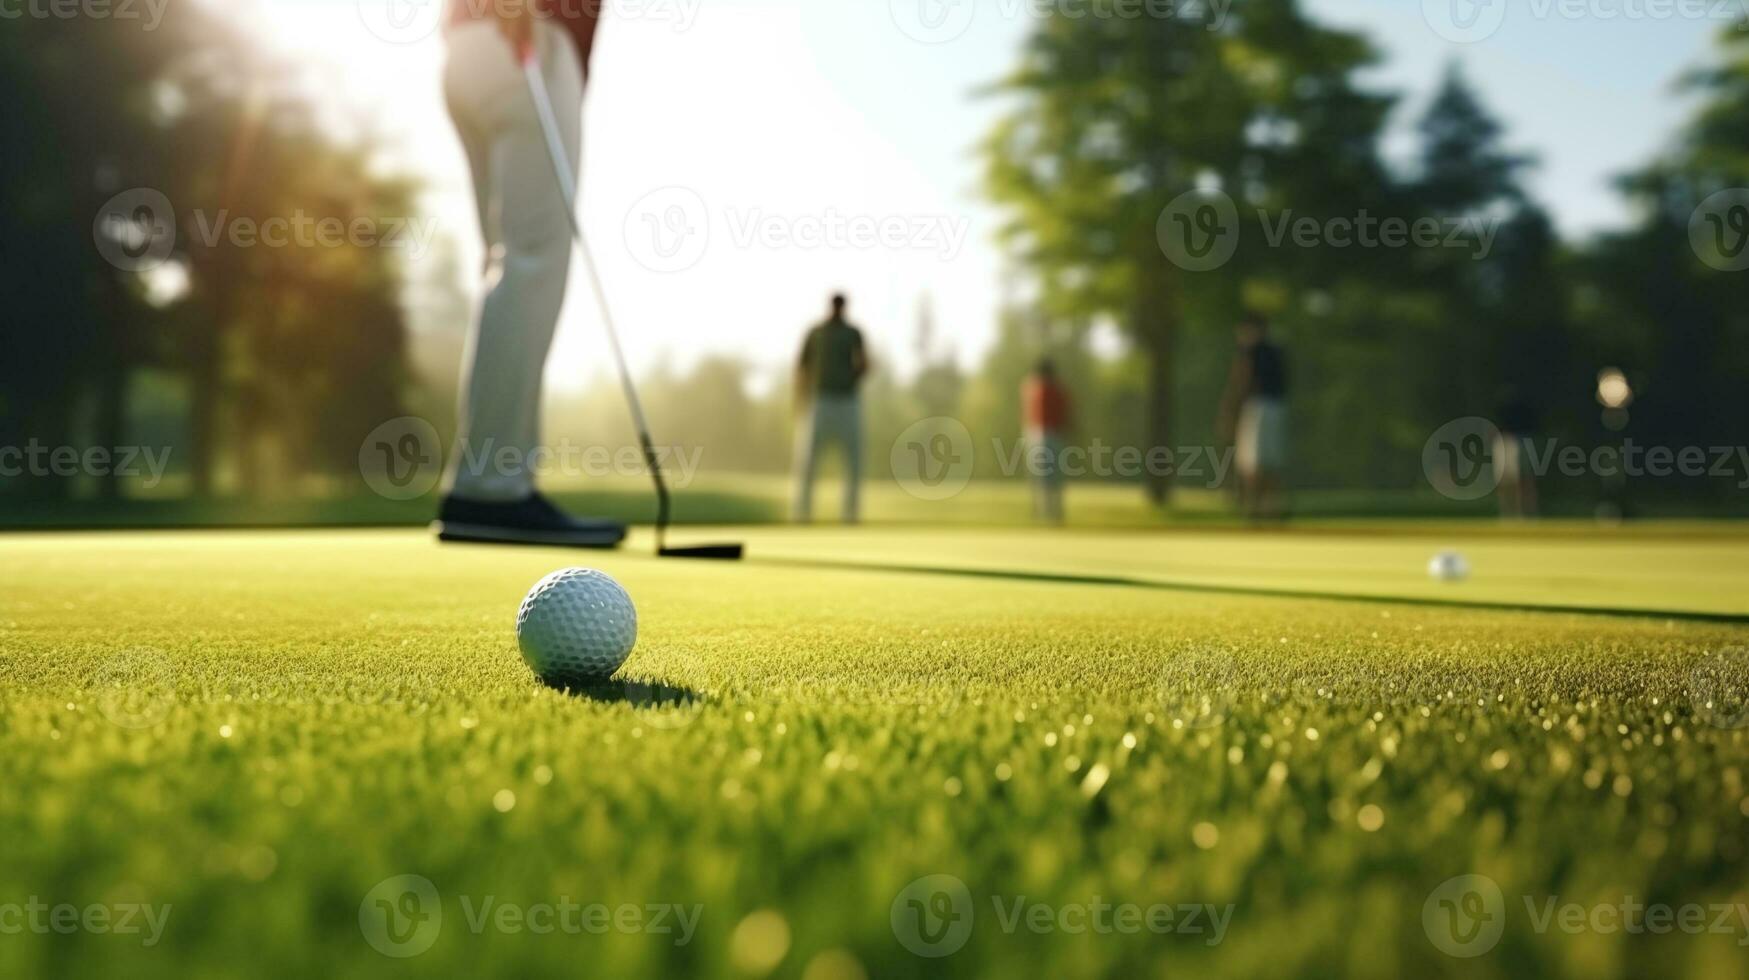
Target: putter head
[714,552]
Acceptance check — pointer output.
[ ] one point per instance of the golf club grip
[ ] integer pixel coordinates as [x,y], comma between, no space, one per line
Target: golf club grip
[549,124]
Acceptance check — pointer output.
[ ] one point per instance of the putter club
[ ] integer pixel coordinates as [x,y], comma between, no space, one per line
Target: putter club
[549,124]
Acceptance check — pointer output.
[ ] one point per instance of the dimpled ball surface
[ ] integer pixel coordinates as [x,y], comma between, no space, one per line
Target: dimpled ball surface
[576,627]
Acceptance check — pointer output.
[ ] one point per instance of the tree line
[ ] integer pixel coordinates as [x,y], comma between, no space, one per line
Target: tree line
[265,366]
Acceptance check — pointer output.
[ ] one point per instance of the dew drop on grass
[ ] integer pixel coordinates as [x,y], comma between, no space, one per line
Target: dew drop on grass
[504,801]
[834,964]
[760,942]
[1205,835]
[1095,779]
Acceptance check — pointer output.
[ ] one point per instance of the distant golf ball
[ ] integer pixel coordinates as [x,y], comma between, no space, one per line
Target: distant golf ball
[576,627]
[1449,566]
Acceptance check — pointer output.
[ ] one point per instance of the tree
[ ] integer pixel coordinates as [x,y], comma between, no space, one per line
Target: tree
[1114,118]
[1653,305]
[1502,336]
[285,350]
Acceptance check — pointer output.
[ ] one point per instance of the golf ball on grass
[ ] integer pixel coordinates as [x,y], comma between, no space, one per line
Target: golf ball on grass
[576,627]
[1449,566]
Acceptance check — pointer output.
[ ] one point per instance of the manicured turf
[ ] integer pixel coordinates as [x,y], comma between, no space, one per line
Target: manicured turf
[256,729]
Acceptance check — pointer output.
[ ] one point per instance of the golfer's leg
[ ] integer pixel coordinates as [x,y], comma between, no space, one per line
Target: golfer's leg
[850,434]
[807,462]
[521,311]
[470,60]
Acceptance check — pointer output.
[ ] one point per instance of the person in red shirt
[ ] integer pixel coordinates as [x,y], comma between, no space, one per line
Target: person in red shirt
[490,493]
[1045,412]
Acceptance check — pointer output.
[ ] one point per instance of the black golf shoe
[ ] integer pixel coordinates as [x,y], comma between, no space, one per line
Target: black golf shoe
[532,520]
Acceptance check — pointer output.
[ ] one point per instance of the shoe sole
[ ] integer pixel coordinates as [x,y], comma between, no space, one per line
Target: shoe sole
[490,534]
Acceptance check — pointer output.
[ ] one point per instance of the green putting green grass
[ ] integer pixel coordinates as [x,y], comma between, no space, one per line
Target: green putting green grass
[272,740]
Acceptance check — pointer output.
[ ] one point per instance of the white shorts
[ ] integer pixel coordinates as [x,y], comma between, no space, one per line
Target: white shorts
[1262,436]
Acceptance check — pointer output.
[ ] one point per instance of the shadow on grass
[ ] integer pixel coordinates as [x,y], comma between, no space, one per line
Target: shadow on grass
[637,694]
[1120,581]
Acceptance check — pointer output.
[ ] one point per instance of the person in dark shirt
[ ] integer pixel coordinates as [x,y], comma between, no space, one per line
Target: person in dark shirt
[1254,411]
[828,373]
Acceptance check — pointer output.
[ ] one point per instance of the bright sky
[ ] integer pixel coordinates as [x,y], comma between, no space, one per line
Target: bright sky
[735,150]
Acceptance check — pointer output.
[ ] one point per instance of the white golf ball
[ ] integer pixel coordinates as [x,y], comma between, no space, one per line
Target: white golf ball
[1449,566]
[576,627]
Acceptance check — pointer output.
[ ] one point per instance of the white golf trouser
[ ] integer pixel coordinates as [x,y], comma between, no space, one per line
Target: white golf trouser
[528,248]
[830,419]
